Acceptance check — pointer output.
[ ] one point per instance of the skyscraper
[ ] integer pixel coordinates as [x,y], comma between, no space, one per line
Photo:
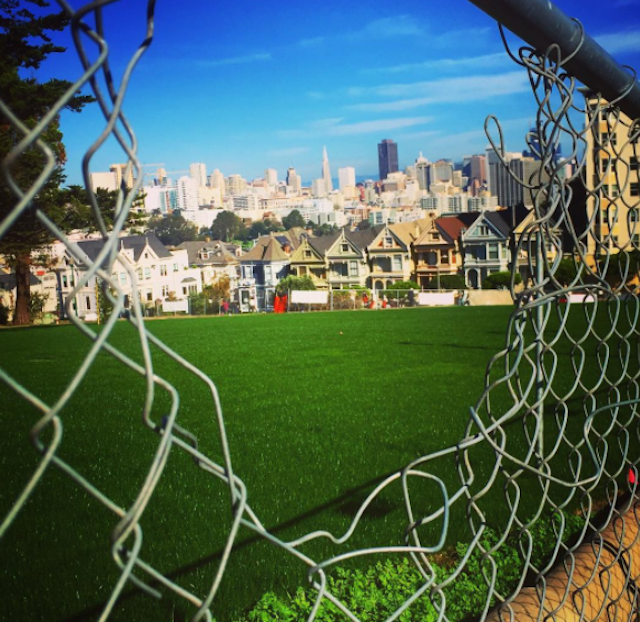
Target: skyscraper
[271,176]
[293,180]
[387,158]
[326,172]
[347,177]
[423,172]
[198,171]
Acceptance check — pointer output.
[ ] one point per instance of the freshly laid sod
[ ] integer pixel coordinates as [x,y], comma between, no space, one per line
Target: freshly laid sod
[318,409]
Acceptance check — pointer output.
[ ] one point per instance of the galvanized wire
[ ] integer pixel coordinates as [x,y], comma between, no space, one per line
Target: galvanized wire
[604,385]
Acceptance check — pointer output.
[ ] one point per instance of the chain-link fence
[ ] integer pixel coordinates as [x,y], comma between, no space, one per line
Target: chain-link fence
[580,427]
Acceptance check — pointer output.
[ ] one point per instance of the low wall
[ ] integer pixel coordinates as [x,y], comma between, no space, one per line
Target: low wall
[486,297]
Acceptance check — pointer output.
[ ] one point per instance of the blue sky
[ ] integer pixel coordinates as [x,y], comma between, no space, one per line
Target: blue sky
[248,85]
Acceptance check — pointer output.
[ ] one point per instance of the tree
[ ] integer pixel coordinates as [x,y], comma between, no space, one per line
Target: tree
[298,283]
[324,229]
[404,285]
[500,280]
[172,229]
[24,45]
[226,226]
[294,219]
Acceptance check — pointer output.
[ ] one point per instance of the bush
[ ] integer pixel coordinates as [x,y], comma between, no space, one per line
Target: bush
[37,302]
[452,281]
[404,285]
[500,280]
[376,592]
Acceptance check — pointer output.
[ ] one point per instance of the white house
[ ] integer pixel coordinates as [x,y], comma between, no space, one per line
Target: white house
[156,273]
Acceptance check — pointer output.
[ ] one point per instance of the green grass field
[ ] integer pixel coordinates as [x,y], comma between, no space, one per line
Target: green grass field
[318,408]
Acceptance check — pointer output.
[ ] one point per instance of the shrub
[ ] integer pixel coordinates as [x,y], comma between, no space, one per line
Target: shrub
[500,280]
[452,281]
[404,285]
[37,302]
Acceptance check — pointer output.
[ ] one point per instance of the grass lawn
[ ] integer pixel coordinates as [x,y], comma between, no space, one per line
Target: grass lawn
[318,409]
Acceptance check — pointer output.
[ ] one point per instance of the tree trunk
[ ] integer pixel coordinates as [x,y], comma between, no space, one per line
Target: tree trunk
[23,290]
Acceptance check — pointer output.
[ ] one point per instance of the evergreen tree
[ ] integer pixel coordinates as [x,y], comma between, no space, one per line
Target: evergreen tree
[24,44]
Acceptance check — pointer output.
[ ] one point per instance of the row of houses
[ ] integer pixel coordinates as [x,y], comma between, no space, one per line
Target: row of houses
[472,246]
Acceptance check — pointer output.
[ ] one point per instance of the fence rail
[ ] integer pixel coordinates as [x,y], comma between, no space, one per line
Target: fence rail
[584,216]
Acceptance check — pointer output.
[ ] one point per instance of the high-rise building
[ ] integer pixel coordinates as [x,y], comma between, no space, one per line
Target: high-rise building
[423,172]
[236,184]
[187,188]
[347,177]
[318,188]
[198,171]
[442,171]
[294,180]
[122,174]
[103,180]
[271,177]
[326,172]
[217,180]
[474,167]
[387,158]
[502,183]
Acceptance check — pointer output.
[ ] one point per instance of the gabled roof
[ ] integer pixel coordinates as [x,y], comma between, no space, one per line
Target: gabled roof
[136,243]
[8,281]
[323,243]
[221,252]
[267,248]
[362,238]
[409,232]
[496,219]
[450,227]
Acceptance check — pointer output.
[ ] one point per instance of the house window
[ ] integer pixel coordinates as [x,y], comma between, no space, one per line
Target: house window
[65,282]
[88,302]
[388,241]
[307,253]
[344,248]
[397,263]
[149,295]
[444,256]
[163,270]
[268,273]
[175,267]
[123,278]
[633,215]
[193,289]
[165,291]
[634,187]
[147,273]
[353,268]
[454,256]
[146,255]
[612,137]
[184,291]
[494,252]
[483,230]
[302,271]
[139,273]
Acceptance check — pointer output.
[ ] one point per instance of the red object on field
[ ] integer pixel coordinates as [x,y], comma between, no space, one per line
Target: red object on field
[633,478]
[280,304]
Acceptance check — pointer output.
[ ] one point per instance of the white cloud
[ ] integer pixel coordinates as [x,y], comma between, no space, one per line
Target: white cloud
[455,37]
[618,42]
[388,27]
[473,62]
[309,43]
[446,90]
[291,151]
[236,60]
[336,127]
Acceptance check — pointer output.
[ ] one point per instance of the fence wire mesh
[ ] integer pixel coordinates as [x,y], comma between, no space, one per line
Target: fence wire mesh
[571,388]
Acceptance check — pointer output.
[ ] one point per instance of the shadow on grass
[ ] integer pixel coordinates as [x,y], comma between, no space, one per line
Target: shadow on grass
[347,504]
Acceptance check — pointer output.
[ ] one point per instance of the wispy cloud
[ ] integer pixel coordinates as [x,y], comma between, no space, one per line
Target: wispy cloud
[235,60]
[472,62]
[310,43]
[315,94]
[446,90]
[291,151]
[618,42]
[337,127]
[455,37]
[389,27]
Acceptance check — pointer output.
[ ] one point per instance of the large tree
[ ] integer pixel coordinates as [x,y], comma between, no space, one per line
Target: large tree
[173,229]
[226,226]
[294,219]
[25,43]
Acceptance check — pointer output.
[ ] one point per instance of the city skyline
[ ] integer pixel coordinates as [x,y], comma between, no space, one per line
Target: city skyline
[246,99]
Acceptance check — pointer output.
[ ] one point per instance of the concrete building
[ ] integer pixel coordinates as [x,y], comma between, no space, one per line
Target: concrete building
[108,181]
[216,180]
[187,190]
[503,180]
[235,184]
[294,181]
[422,172]
[198,172]
[387,158]
[271,177]
[123,173]
[318,188]
[347,177]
